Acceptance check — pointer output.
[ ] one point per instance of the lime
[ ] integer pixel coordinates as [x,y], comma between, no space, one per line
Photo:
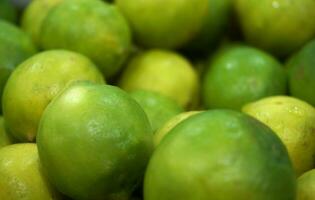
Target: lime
[158,108]
[164,72]
[170,124]
[280,27]
[93,28]
[35,82]
[98,146]
[306,186]
[33,17]
[301,68]
[21,174]
[240,74]
[221,155]
[15,47]
[164,24]
[293,121]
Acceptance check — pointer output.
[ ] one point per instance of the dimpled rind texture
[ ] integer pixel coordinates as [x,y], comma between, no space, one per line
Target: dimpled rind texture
[221,155]
[98,147]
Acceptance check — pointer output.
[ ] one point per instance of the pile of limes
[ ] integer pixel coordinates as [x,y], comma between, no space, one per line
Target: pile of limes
[157,100]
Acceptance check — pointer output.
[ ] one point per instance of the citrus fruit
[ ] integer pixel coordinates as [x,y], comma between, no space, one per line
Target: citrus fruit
[164,72]
[93,28]
[5,138]
[301,70]
[158,108]
[15,47]
[306,186]
[170,124]
[214,25]
[98,147]
[221,155]
[33,17]
[281,26]
[239,75]
[293,121]
[164,23]
[7,11]
[21,174]
[35,82]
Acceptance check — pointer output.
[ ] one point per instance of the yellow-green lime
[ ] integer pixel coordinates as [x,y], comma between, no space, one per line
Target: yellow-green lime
[165,72]
[35,82]
[278,26]
[15,47]
[34,15]
[306,186]
[293,120]
[21,174]
[164,24]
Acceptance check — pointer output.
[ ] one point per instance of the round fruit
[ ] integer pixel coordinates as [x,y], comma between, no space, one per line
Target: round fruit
[35,82]
[306,186]
[164,72]
[158,108]
[21,175]
[213,27]
[15,47]
[301,69]
[100,143]
[241,74]
[294,122]
[7,11]
[5,138]
[34,15]
[220,154]
[280,27]
[170,124]
[93,28]
[164,24]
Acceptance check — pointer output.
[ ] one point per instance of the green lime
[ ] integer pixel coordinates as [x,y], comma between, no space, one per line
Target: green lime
[165,72]
[34,15]
[293,121]
[301,68]
[98,146]
[170,124]
[280,26]
[158,108]
[7,11]
[35,82]
[15,47]
[221,155]
[94,28]
[306,186]
[241,74]
[164,24]
[21,174]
